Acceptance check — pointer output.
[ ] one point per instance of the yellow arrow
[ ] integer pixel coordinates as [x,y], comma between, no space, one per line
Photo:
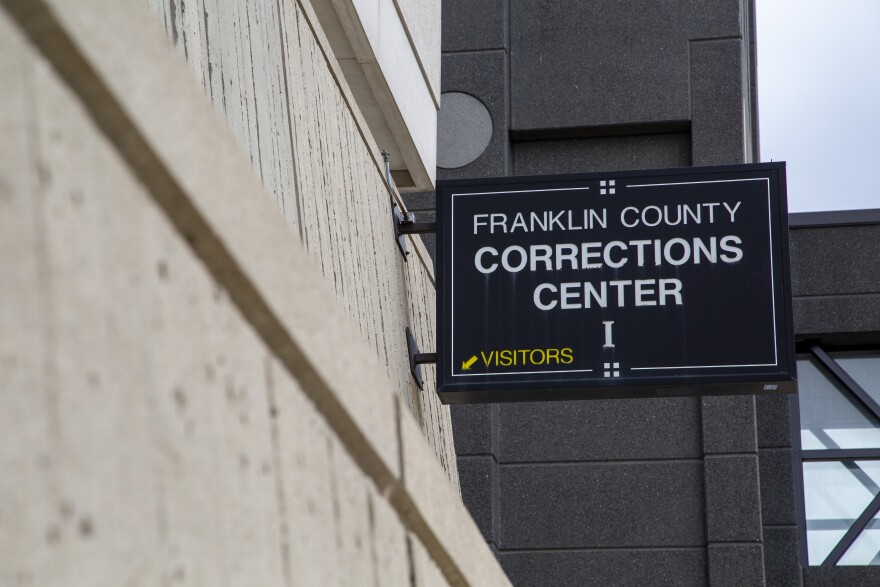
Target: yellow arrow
[466,365]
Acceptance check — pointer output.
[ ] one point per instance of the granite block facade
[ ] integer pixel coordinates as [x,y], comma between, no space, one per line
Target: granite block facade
[687,491]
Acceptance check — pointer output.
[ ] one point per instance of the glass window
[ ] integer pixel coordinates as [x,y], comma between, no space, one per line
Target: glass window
[830,416]
[841,470]
[864,368]
[866,549]
[835,494]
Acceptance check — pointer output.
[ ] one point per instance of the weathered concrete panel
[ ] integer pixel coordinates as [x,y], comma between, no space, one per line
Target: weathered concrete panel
[172,407]
[273,78]
[150,401]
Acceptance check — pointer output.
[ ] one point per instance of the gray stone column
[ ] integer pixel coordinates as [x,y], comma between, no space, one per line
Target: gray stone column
[733,494]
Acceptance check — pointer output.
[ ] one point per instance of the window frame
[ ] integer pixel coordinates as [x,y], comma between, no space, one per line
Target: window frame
[829,367]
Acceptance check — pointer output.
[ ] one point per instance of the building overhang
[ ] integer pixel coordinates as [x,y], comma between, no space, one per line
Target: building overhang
[389,53]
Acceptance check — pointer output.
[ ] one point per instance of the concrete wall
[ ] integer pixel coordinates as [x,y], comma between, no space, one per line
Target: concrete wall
[201,385]
[272,77]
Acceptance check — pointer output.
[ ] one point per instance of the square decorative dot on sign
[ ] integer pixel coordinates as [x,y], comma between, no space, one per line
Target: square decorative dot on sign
[611,369]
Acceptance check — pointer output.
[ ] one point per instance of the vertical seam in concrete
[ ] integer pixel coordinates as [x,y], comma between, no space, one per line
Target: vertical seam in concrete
[334,493]
[495,496]
[410,557]
[752,81]
[222,68]
[247,24]
[690,80]
[371,518]
[280,493]
[413,580]
[756,454]
[183,31]
[702,434]
[745,83]
[172,22]
[508,99]
[401,464]
[418,56]
[47,317]
[210,65]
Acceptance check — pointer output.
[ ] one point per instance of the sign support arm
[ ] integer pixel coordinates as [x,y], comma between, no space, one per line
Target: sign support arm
[417,359]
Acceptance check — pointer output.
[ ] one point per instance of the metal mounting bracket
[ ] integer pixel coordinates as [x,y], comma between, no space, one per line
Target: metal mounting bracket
[396,219]
[405,223]
[417,359]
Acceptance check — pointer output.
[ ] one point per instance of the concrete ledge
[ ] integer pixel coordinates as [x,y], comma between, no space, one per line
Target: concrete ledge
[576,568]
[836,576]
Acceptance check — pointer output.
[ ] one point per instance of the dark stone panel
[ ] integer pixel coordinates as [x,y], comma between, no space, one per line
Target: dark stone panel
[484,76]
[602,154]
[733,499]
[470,25]
[599,430]
[835,260]
[609,61]
[782,567]
[736,565]
[777,487]
[472,428]
[477,478]
[774,420]
[601,505]
[418,201]
[729,424]
[620,568]
[751,35]
[423,204]
[841,576]
[717,108]
[833,314]
[426,216]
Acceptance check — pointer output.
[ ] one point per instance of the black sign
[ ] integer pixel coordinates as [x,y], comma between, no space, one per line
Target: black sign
[623,284]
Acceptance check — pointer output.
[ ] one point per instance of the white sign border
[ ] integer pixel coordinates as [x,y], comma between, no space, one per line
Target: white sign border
[586,188]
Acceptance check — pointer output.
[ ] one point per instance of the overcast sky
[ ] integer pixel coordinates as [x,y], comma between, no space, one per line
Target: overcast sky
[819,99]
